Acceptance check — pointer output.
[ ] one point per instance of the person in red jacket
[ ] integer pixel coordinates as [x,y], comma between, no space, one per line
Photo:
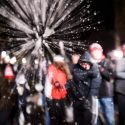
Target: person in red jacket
[58,73]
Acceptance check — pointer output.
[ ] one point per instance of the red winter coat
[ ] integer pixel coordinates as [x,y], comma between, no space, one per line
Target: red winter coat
[58,80]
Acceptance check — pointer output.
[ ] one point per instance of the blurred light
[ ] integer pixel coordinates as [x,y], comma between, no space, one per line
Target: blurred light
[39,87]
[3,54]
[117,54]
[24,60]
[13,60]
[48,32]
[36,61]
[15,67]
[7,59]
[20,79]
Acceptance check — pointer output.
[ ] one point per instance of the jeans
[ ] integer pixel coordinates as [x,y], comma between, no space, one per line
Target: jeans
[47,116]
[106,107]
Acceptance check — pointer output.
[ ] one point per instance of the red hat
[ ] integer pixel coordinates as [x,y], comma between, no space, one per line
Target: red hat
[95,46]
[8,73]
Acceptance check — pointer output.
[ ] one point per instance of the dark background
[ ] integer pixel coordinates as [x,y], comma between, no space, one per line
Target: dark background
[107,13]
[113,15]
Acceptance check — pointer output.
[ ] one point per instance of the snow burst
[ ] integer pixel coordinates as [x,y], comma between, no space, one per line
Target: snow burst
[36,27]
[33,31]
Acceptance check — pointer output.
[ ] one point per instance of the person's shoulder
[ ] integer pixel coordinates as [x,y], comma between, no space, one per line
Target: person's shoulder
[75,66]
[95,64]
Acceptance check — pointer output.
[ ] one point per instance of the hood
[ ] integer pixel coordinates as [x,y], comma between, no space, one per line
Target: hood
[85,57]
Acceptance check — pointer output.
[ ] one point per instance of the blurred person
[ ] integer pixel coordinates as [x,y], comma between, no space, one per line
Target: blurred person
[58,74]
[120,86]
[29,97]
[81,89]
[23,93]
[8,95]
[106,91]
[75,58]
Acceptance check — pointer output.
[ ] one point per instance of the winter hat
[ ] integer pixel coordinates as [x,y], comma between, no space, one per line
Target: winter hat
[58,58]
[95,46]
[8,73]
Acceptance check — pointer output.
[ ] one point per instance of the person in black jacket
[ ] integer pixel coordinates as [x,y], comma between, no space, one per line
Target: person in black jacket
[81,89]
[106,92]
[106,89]
[8,98]
[120,87]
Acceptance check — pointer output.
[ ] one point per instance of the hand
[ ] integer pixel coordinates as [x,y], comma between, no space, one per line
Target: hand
[57,84]
[101,69]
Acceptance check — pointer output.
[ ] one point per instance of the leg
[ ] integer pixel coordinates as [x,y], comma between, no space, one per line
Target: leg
[57,115]
[95,107]
[107,106]
[82,116]
[121,108]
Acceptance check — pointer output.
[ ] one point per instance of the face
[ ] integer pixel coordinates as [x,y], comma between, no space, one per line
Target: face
[75,58]
[97,54]
[85,65]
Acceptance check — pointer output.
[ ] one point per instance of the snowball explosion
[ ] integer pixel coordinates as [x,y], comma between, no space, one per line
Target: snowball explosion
[34,31]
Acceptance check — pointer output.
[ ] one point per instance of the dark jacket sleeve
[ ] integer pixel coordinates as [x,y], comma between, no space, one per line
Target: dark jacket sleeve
[106,71]
[93,72]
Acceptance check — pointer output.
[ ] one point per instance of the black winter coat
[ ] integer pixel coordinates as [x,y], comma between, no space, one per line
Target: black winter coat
[8,99]
[107,87]
[82,85]
[85,83]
